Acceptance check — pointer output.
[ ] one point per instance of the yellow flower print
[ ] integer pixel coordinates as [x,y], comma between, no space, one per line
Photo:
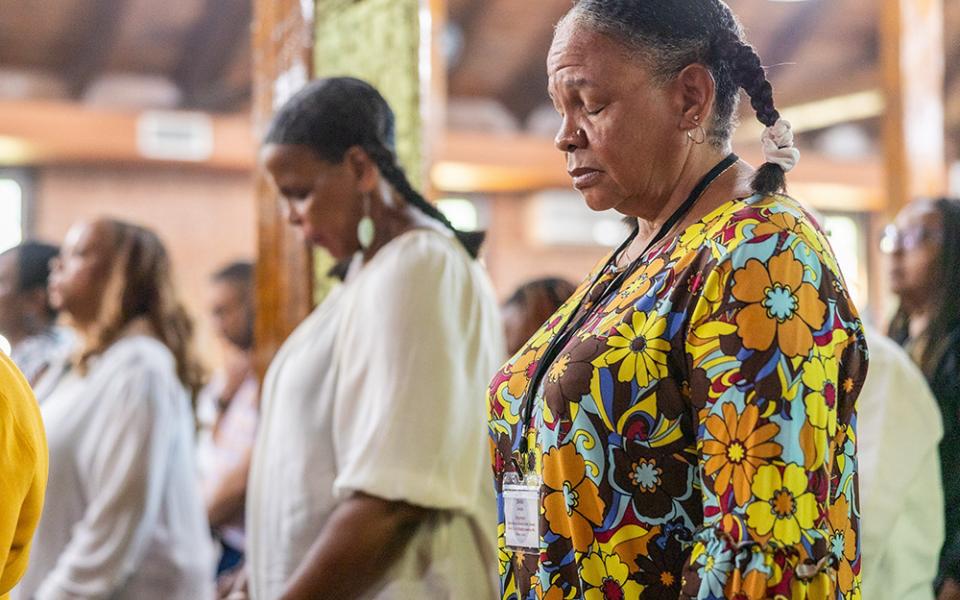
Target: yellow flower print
[783,504]
[820,375]
[843,540]
[819,587]
[520,373]
[608,576]
[738,449]
[780,305]
[636,287]
[573,506]
[640,350]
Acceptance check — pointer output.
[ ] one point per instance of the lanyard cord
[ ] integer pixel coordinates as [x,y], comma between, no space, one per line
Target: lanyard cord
[568,329]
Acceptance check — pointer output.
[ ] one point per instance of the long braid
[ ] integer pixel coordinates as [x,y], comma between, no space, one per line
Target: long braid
[748,73]
[394,174]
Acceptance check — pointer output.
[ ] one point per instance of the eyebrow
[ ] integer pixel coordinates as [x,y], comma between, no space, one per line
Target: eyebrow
[575,83]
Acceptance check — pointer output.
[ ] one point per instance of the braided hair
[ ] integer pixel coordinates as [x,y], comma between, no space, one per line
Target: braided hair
[330,116]
[669,36]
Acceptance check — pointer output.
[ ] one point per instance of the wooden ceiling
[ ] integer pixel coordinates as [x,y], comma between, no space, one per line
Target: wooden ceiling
[62,49]
[815,49]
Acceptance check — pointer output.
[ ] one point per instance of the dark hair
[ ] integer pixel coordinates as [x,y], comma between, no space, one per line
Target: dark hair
[673,34]
[33,267]
[947,318]
[239,273]
[330,116]
[552,289]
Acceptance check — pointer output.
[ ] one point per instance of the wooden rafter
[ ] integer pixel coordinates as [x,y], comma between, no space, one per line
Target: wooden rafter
[210,46]
[96,31]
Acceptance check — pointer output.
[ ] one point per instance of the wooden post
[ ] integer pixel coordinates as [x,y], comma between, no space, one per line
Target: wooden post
[283,50]
[912,54]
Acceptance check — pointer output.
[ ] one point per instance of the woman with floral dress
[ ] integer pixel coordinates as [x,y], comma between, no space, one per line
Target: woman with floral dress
[685,423]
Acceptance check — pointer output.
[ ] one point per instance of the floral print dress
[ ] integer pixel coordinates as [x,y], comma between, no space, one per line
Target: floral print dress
[695,436]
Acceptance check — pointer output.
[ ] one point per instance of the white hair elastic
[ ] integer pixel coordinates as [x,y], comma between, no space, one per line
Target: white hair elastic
[778,148]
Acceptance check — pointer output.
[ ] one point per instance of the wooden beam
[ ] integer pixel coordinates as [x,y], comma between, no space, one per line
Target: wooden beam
[208,50]
[96,30]
[49,132]
[282,59]
[483,163]
[912,53]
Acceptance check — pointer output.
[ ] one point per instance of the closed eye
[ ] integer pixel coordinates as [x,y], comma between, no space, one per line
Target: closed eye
[596,111]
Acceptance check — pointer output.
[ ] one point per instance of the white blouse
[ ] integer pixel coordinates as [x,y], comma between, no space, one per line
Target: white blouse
[381,391]
[901,493]
[123,517]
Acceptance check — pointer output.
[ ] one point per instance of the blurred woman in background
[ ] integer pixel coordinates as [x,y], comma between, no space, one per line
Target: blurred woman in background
[529,306]
[123,516]
[924,249]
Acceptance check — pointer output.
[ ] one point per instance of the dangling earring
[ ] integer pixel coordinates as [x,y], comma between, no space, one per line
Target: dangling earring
[365,228]
[701,136]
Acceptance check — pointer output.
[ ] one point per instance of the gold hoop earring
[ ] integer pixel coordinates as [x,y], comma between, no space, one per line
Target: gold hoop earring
[700,138]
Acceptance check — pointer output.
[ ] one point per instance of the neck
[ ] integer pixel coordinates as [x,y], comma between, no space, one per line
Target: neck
[733,183]
[392,217]
[919,312]
[653,212]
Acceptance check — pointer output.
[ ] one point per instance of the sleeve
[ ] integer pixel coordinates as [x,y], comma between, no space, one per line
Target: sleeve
[410,409]
[22,482]
[125,453]
[776,358]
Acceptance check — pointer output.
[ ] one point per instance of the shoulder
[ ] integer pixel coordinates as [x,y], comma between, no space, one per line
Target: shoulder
[19,411]
[759,227]
[136,356]
[418,262]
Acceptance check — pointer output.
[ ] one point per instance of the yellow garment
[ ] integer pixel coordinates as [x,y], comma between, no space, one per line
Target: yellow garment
[23,473]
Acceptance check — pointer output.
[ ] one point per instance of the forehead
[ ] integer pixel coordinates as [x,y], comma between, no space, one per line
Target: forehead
[96,236]
[919,212]
[580,56]
[291,160]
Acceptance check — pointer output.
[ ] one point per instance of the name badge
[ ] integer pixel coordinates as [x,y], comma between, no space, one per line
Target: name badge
[521,510]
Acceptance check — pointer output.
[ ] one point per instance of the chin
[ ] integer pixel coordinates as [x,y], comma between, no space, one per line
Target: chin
[597,201]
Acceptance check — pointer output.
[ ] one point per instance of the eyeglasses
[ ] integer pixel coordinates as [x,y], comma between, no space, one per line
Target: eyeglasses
[894,239]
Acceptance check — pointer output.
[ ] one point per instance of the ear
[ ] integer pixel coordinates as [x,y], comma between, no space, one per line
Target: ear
[695,93]
[363,169]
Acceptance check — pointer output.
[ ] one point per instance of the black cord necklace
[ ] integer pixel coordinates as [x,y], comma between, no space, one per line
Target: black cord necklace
[568,329]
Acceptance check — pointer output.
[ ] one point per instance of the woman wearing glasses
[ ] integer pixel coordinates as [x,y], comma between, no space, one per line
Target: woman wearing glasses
[924,249]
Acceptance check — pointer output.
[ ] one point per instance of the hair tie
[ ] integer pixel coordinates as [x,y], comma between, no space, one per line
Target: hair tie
[777,142]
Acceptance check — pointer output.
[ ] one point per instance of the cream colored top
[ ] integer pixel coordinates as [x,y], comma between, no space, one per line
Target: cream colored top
[123,518]
[381,391]
[901,494]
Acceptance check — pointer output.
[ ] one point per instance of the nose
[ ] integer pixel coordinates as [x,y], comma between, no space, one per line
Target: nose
[570,138]
[290,214]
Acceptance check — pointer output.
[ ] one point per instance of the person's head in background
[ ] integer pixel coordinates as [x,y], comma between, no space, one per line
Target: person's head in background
[232,304]
[923,244]
[530,306]
[112,277]
[330,151]
[25,308]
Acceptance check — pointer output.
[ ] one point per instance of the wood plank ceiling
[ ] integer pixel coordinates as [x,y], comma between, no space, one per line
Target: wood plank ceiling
[195,52]
[815,49]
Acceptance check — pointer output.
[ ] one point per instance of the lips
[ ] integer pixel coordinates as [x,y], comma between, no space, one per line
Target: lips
[584,177]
